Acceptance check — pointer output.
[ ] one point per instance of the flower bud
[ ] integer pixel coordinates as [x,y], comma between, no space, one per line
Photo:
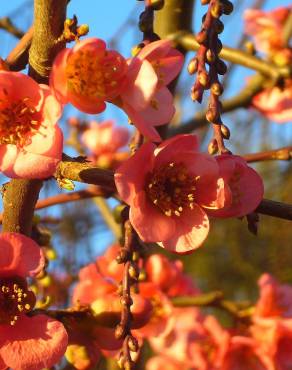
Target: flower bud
[133,344]
[216,88]
[227,7]
[225,131]
[210,56]
[221,67]
[82,30]
[157,4]
[213,147]
[203,78]
[216,10]
[193,66]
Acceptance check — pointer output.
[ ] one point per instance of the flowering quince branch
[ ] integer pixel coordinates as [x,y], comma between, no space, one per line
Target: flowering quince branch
[7,25]
[208,53]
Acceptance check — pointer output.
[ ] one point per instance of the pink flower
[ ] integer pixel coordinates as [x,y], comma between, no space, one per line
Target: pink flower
[164,362]
[105,137]
[22,348]
[245,186]
[87,75]
[146,99]
[169,277]
[31,143]
[167,188]
[266,27]
[275,299]
[245,353]
[275,103]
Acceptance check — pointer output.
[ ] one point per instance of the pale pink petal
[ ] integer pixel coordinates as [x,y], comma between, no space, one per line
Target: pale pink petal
[201,165]
[170,66]
[214,195]
[33,343]
[19,86]
[191,230]
[148,221]
[144,127]
[91,43]
[85,103]
[22,163]
[141,85]
[155,50]
[177,144]
[58,79]
[19,256]
[51,109]
[130,177]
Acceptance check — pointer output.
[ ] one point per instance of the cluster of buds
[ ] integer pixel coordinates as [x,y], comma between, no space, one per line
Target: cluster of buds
[147,18]
[208,54]
[129,256]
[72,32]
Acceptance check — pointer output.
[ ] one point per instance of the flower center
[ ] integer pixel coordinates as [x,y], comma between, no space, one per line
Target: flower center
[95,75]
[171,188]
[15,299]
[18,121]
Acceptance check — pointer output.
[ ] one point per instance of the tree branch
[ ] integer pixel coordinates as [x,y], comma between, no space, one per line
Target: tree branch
[18,57]
[20,196]
[7,25]
[275,209]
[282,154]
[188,42]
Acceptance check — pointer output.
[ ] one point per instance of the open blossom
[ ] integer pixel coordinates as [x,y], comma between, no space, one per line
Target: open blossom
[22,348]
[146,99]
[245,185]
[275,103]
[31,142]
[88,75]
[104,140]
[167,188]
[266,27]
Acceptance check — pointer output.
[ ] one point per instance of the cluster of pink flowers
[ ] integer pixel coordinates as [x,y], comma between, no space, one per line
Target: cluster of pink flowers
[172,188]
[267,30]
[89,75]
[22,348]
[181,338]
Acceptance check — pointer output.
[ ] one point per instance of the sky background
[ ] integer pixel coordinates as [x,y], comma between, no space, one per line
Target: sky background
[115,21]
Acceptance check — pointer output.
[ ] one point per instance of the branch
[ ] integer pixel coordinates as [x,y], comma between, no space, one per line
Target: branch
[20,196]
[240,310]
[188,42]
[90,174]
[275,209]
[7,25]
[75,170]
[18,57]
[282,154]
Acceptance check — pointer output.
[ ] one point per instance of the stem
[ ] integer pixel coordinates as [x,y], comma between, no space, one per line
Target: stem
[275,209]
[282,154]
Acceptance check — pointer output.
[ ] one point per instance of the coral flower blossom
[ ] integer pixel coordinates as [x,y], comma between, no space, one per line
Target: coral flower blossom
[245,185]
[22,348]
[167,188]
[31,143]
[87,75]
[275,103]
[146,99]
[266,27]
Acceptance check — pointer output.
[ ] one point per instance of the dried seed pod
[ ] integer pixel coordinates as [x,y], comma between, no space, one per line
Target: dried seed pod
[227,7]
[219,26]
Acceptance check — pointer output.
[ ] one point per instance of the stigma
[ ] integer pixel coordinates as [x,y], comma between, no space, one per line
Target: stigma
[172,189]
[15,299]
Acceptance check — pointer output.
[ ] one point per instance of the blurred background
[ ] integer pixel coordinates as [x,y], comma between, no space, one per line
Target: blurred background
[232,258]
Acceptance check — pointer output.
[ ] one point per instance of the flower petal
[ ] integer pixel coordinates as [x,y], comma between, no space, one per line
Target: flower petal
[148,221]
[58,79]
[25,349]
[130,176]
[141,85]
[19,255]
[191,229]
